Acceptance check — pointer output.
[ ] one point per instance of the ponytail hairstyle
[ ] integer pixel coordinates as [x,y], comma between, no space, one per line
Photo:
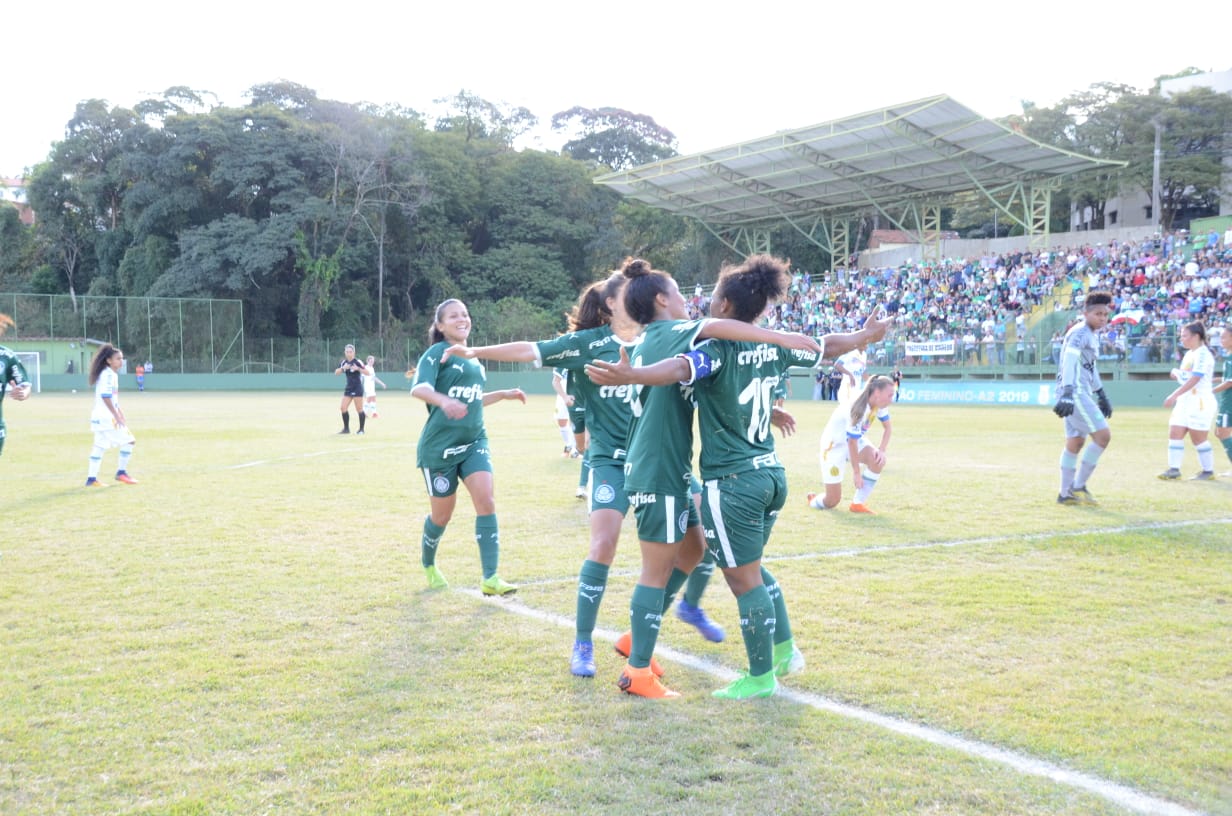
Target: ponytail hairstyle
[591,310]
[101,360]
[753,285]
[642,286]
[1199,329]
[860,404]
[435,335]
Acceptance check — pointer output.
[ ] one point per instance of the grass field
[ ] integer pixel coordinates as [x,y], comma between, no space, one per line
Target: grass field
[248,630]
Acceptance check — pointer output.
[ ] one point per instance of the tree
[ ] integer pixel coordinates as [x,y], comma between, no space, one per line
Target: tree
[478,119]
[614,137]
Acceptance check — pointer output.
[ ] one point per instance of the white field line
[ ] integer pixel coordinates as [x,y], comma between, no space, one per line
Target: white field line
[855,552]
[1121,795]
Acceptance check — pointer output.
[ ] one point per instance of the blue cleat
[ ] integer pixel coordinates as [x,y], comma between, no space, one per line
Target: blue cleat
[583,662]
[696,616]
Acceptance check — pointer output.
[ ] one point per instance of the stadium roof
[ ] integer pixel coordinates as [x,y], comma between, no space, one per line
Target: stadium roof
[922,151]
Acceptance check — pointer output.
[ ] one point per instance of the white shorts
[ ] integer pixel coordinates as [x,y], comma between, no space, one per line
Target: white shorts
[834,459]
[562,410]
[113,438]
[1193,412]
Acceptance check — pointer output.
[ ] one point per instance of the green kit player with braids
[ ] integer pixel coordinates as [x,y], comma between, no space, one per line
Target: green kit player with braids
[453,446]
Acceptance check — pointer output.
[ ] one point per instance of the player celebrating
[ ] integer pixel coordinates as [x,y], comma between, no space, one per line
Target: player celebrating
[1081,400]
[353,391]
[745,486]
[1192,404]
[845,441]
[453,445]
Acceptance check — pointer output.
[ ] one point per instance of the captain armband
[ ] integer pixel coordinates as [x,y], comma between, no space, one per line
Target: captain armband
[701,364]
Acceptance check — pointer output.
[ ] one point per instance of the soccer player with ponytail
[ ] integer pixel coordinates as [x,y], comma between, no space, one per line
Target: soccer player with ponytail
[845,441]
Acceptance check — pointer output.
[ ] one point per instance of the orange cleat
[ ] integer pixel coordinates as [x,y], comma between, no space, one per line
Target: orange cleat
[124,478]
[861,508]
[643,683]
[624,645]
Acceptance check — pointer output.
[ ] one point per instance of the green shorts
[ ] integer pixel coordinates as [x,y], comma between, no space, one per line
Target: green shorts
[442,480]
[1223,409]
[577,418]
[738,513]
[663,517]
[607,489]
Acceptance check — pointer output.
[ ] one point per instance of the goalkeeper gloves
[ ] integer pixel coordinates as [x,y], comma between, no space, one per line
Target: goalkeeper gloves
[1065,401]
[1105,407]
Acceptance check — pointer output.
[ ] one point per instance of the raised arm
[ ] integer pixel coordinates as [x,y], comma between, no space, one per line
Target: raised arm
[518,352]
[726,329]
[873,330]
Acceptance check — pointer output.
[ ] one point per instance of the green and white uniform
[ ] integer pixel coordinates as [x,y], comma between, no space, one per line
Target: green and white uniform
[609,408]
[452,449]
[660,463]
[1223,413]
[745,484]
[12,370]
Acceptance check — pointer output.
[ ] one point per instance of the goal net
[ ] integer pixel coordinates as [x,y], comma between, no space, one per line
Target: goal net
[30,359]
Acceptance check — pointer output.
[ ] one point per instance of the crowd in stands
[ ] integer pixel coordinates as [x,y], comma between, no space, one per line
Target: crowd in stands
[987,305]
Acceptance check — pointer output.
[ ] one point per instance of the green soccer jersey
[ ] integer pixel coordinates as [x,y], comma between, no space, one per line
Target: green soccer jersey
[443,438]
[1225,397]
[734,403]
[661,433]
[13,371]
[609,408]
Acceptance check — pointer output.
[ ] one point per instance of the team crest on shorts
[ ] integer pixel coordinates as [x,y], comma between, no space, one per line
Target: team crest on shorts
[833,470]
[440,484]
[683,521]
[604,494]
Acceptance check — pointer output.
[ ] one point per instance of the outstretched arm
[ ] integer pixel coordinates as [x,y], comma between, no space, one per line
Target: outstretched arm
[873,330]
[726,329]
[507,393]
[664,372]
[519,352]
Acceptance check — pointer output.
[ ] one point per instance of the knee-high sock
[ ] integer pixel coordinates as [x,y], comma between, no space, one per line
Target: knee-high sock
[698,579]
[96,461]
[592,583]
[488,536]
[674,582]
[645,615]
[427,545]
[566,434]
[757,627]
[1176,453]
[584,470]
[126,452]
[362,416]
[1090,458]
[346,420]
[1227,447]
[1206,455]
[870,482]
[1069,467]
[782,624]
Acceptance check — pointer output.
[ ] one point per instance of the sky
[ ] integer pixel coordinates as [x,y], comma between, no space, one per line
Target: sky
[714,74]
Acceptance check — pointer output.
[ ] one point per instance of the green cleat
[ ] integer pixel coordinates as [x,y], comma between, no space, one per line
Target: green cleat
[495,586]
[435,579]
[748,687]
[1068,500]
[1170,474]
[1204,476]
[1083,495]
[787,658]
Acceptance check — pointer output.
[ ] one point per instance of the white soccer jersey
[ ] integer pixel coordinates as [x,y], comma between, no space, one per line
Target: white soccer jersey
[1200,363]
[107,385]
[369,381]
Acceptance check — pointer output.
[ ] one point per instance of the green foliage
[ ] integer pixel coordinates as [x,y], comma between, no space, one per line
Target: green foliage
[615,138]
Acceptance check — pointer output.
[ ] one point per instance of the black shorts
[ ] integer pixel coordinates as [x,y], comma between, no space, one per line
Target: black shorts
[358,391]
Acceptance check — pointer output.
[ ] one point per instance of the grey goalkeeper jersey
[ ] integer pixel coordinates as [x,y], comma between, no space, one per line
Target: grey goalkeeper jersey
[1079,354]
